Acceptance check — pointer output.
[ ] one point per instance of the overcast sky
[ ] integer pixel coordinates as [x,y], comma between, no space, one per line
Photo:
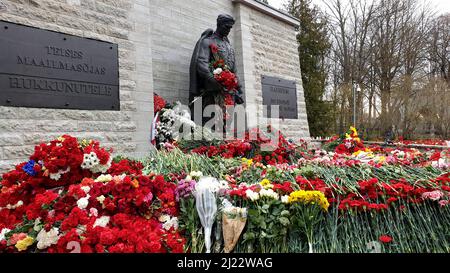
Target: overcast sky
[442,6]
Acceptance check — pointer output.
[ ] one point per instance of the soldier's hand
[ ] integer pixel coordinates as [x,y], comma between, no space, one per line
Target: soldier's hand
[238,99]
[214,83]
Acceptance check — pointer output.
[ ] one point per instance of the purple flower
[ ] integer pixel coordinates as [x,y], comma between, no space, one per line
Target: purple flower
[184,189]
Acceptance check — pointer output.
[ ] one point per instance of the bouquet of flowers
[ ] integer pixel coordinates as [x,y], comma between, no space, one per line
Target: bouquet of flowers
[351,144]
[224,76]
[233,223]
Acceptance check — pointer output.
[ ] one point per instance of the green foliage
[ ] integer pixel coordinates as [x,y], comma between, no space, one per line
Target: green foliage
[313,47]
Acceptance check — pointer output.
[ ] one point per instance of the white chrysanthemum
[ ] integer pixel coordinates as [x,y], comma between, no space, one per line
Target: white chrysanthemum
[104,178]
[103,168]
[46,239]
[82,203]
[91,162]
[102,221]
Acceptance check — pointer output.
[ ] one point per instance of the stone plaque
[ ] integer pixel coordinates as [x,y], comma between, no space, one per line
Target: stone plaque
[280,92]
[46,69]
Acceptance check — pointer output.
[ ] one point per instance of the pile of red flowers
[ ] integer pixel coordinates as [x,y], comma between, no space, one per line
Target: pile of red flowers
[373,194]
[60,162]
[438,142]
[90,212]
[351,144]
[250,146]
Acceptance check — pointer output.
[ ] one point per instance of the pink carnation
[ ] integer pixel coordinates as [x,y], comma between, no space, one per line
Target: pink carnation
[432,195]
[17,237]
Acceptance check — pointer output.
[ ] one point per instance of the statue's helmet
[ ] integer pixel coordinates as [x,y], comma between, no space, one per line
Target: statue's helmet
[225,19]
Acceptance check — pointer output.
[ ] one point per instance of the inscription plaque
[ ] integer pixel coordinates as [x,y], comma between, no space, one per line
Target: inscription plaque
[46,69]
[280,92]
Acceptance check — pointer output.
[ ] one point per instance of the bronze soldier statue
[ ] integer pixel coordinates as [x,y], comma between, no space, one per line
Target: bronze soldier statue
[202,81]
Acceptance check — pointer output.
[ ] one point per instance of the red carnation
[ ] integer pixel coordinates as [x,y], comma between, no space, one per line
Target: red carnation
[107,237]
[385,239]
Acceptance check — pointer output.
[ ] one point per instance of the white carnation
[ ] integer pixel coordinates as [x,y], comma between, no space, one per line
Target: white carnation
[46,239]
[253,196]
[196,174]
[3,233]
[55,176]
[285,199]
[86,189]
[83,202]
[104,178]
[268,193]
[171,222]
[217,71]
[37,226]
[164,218]
[101,199]
[102,221]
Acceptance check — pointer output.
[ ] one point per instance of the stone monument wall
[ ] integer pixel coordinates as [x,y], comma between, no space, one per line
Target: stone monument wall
[155,41]
[126,23]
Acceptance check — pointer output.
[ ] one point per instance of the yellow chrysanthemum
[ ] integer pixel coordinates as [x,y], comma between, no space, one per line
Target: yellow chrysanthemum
[24,243]
[353,129]
[266,183]
[247,162]
[309,197]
